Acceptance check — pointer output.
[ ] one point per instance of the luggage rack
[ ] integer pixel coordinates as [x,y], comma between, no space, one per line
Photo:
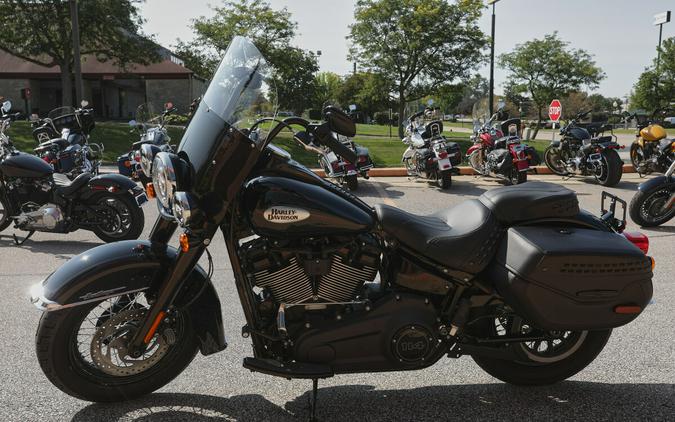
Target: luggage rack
[609,215]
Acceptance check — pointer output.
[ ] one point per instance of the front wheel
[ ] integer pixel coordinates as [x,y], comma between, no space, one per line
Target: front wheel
[554,161]
[120,218]
[82,349]
[546,361]
[637,157]
[5,219]
[652,208]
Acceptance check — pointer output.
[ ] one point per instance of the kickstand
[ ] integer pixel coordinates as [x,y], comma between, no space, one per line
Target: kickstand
[19,243]
[312,400]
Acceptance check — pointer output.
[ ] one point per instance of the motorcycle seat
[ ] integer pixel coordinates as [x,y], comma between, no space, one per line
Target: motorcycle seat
[530,201]
[463,237]
[67,187]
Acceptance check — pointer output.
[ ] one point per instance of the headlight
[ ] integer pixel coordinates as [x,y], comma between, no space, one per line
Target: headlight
[164,179]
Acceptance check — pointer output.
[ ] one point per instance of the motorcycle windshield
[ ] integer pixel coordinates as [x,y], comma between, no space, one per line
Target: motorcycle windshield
[240,93]
[146,114]
[60,112]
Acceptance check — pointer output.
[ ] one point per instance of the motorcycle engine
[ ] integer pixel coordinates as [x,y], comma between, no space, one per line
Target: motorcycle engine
[23,191]
[43,218]
[311,271]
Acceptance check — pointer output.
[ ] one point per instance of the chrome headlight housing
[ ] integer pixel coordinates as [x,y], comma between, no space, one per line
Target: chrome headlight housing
[164,179]
[184,208]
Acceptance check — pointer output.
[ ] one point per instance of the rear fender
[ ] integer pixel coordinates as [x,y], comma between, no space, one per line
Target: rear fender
[112,183]
[127,267]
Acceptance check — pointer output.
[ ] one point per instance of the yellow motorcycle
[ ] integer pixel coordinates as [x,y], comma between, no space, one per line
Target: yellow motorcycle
[652,151]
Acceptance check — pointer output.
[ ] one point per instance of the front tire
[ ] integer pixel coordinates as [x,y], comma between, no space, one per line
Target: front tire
[124,219]
[637,157]
[68,363]
[530,370]
[645,207]
[5,219]
[553,161]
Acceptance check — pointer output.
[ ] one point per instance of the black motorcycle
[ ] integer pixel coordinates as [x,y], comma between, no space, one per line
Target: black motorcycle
[520,279]
[37,199]
[63,139]
[151,127]
[429,154]
[583,153]
[654,202]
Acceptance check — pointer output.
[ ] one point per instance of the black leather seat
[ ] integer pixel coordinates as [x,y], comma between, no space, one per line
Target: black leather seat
[463,237]
[530,201]
[66,187]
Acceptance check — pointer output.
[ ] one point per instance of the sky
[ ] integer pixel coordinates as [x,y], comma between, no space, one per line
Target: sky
[619,33]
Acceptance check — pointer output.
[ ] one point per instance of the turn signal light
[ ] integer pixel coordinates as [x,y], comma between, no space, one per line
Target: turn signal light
[184,242]
[638,239]
[627,309]
[653,262]
[127,164]
[150,190]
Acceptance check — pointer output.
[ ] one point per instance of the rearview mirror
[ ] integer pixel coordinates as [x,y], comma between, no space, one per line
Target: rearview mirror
[339,122]
[500,105]
[168,106]
[7,106]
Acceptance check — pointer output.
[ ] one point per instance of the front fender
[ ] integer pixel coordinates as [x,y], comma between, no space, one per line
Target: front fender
[655,182]
[127,267]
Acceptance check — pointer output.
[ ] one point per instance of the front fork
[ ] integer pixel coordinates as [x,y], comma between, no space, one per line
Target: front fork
[170,281]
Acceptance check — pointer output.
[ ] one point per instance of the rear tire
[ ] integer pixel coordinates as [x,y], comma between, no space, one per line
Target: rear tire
[61,361]
[352,182]
[530,373]
[134,214]
[614,171]
[517,177]
[444,180]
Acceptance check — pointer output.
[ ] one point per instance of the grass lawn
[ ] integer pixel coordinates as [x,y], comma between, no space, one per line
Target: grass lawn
[384,151]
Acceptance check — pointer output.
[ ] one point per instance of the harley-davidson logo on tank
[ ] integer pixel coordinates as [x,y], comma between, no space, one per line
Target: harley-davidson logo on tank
[285,215]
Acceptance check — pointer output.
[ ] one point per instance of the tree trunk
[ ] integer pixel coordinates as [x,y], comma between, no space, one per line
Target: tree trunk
[536,129]
[401,115]
[66,85]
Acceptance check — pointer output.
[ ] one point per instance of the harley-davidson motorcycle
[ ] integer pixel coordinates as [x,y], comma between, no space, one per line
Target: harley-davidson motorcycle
[652,151]
[654,202]
[429,154]
[520,279]
[581,153]
[36,198]
[497,150]
[152,129]
[342,171]
[63,139]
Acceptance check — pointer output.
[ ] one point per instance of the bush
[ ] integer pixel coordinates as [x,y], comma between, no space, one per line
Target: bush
[381,117]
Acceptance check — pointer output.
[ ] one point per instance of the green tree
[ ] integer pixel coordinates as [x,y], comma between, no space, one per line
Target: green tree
[547,68]
[418,45]
[328,85]
[654,91]
[39,31]
[369,91]
[271,31]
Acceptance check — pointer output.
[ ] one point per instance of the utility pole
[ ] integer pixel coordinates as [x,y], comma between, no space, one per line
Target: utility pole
[76,51]
[659,19]
[492,60]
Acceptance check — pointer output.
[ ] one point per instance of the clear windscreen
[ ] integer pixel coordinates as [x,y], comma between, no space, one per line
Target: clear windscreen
[60,112]
[146,114]
[479,112]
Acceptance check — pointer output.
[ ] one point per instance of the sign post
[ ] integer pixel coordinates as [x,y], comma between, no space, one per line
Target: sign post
[554,113]
[660,19]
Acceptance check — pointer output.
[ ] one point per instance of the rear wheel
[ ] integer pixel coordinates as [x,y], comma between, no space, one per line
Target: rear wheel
[517,177]
[543,362]
[120,218]
[444,180]
[5,220]
[554,161]
[82,349]
[352,182]
[611,169]
[650,209]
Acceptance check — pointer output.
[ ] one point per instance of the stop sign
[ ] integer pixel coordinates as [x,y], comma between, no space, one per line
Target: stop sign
[555,110]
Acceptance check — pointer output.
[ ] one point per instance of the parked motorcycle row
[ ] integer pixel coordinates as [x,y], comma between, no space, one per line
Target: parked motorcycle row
[521,279]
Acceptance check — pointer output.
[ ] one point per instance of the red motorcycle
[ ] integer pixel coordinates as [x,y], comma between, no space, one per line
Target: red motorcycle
[496,154]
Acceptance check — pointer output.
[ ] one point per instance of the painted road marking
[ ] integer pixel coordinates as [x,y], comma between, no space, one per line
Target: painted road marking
[383,194]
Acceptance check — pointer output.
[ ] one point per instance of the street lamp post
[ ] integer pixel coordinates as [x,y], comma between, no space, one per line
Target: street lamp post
[76,51]
[492,60]
[659,19]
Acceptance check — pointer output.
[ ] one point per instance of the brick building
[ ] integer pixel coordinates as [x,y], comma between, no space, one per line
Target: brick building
[113,92]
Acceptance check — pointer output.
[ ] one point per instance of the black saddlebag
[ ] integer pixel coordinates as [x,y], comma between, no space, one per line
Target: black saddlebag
[571,278]
[454,153]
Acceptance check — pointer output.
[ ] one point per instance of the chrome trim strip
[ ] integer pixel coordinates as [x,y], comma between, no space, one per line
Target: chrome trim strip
[46,305]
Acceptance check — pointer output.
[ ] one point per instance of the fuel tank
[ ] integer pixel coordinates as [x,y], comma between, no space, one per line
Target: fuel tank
[281,206]
[579,133]
[25,165]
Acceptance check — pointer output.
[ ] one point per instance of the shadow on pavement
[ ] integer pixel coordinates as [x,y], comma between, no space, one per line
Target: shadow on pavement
[57,248]
[570,400]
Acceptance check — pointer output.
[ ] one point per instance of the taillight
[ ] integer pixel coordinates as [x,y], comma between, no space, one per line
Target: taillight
[638,239]
[443,155]
[335,165]
[137,156]
[362,158]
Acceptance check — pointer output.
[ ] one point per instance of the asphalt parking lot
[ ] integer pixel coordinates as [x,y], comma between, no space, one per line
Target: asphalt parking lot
[633,379]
